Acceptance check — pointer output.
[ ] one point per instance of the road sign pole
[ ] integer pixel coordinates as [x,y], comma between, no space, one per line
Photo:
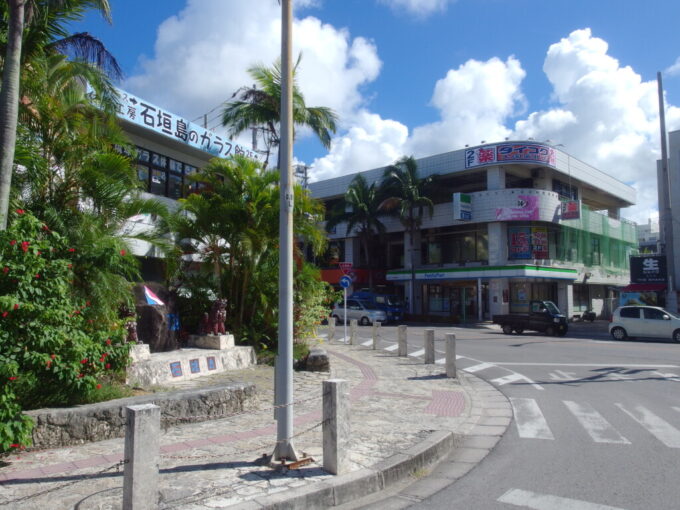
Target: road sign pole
[345,319]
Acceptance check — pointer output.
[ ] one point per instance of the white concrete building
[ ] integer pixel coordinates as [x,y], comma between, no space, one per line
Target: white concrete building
[513,221]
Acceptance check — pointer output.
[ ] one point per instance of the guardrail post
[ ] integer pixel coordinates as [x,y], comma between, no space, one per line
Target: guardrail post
[429,346]
[376,334]
[450,355]
[140,478]
[353,332]
[331,329]
[336,430]
[403,331]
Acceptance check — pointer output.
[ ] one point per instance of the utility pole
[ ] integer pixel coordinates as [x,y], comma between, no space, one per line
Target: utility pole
[284,449]
[667,214]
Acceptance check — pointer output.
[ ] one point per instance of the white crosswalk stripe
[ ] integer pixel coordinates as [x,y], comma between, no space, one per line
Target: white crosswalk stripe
[366,344]
[657,426]
[507,379]
[477,368]
[536,501]
[596,426]
[415,354]
[392,347]
[531,423]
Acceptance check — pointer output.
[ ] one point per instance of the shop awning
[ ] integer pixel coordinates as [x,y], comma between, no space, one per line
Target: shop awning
[644,287]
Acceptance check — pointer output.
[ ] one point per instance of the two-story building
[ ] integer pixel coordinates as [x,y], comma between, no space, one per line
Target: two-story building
[513,221]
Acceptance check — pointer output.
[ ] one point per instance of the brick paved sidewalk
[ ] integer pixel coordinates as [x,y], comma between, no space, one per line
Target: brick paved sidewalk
[396,403]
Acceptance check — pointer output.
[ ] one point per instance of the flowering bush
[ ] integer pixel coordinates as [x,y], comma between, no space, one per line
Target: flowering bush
[51,350]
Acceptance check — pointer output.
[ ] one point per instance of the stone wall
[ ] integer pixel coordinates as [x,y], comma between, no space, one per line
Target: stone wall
[106,420]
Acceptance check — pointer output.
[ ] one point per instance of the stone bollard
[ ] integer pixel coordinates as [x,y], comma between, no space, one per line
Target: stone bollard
[140,478]
[336,431]
[376,334]
[403,351]
[353,331]
[429,346]
[450,355]
[331,329]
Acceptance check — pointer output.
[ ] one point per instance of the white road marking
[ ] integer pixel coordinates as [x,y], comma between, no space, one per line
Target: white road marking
[602,365]
[500,381]
[658,427]
[392,347]
[477,368]
[596,426]
[366,344]
[668,376]
[440,361]
[559,375]
[676,408]
[538,501]
[529,419]
[415,354]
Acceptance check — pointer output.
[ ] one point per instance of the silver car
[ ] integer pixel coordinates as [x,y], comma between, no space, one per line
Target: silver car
[644,321]
[362,311]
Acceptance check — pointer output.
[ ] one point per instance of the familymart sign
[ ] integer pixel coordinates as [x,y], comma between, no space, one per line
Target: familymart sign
[459,273]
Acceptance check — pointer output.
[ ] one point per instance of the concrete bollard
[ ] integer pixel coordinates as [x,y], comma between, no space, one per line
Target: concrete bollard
[336,430]
[376,334]
[140,479]
[429,346]
[353,331]
[403,350]
[331,329]
[450,355]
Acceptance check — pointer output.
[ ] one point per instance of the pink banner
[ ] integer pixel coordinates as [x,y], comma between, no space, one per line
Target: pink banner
[527,209]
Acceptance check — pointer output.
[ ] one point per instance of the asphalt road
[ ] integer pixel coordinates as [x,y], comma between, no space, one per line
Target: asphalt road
[596,422]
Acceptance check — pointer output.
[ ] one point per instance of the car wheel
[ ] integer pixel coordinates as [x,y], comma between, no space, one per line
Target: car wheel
[550,331]
[364,321]
[519,331]
[507,329]
[620,334]
[676,335]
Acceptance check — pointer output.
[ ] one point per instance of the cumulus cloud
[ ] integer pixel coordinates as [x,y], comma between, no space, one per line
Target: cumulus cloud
[674,70]
[419,8]
[202,54]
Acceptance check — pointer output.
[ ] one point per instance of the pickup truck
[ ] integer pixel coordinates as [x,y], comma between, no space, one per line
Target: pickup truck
[544,316]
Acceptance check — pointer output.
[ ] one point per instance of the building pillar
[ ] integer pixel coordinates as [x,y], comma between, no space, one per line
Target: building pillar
[497,233]
[565,298]
[495,178]
[499,288]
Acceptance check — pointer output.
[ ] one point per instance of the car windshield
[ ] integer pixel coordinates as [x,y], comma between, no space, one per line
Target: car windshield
[552,308]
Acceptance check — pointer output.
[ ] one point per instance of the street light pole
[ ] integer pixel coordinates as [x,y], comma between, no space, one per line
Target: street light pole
[284,449]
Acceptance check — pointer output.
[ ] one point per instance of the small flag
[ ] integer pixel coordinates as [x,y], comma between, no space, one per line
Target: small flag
[151,298]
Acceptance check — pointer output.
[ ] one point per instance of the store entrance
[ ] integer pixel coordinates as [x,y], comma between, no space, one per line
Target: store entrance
[457,300]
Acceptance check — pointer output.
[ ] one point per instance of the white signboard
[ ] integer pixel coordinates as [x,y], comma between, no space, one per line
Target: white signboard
[462,206]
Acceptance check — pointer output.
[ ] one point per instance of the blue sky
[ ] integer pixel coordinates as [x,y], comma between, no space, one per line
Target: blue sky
[425,76]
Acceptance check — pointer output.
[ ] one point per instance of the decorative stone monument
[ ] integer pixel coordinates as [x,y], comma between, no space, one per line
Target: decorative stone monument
[213,334]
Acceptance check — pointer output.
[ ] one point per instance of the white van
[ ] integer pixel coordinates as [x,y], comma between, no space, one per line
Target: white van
[644,321]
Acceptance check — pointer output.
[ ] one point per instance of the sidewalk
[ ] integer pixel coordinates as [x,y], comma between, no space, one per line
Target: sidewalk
[404,415]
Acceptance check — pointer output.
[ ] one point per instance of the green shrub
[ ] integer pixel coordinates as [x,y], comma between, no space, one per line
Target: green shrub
[52,351]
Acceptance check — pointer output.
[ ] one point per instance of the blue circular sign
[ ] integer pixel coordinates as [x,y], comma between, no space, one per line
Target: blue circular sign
[345,282]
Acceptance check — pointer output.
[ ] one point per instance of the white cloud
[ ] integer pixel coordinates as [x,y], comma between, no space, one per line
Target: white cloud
[420,8]
[202,54]
[674,70]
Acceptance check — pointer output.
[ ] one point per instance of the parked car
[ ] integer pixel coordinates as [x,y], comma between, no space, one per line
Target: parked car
[644,321]
[363,311]
[543,316]
[391,303]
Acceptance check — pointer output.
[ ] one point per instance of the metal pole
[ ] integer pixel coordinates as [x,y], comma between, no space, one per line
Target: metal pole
[284,430]
[344,320]
[667,229]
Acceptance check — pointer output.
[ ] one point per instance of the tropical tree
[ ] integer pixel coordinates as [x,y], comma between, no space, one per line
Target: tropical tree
[407,197]
[230,224]
[39,27]
[361,208]
[260,106]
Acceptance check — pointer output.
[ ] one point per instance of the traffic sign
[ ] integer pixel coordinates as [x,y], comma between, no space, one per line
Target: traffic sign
[345,267]
[345,282]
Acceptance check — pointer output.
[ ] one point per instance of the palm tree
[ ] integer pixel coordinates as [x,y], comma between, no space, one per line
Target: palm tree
[251,107]
[37,27]
[407,198]
[361,210]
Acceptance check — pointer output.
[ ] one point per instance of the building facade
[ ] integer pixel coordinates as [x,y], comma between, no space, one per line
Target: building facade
[513,221]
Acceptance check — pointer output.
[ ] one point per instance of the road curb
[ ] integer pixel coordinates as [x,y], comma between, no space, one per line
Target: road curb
[447,454]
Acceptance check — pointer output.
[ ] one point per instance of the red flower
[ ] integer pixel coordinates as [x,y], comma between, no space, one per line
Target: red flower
[49,363]
[107,366]
[13,378]
[46,228]
[20,211]
[83,361]
[71,250]
[87,303]
[15,445]
[53,356]
[5,269]
[81,375]
[37,276]
[16,306]
[5,314]
[123,252]
[70,266]
[39,253]
[24,246]
[76,312]
[99,386]
[108,341]
[13,242]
